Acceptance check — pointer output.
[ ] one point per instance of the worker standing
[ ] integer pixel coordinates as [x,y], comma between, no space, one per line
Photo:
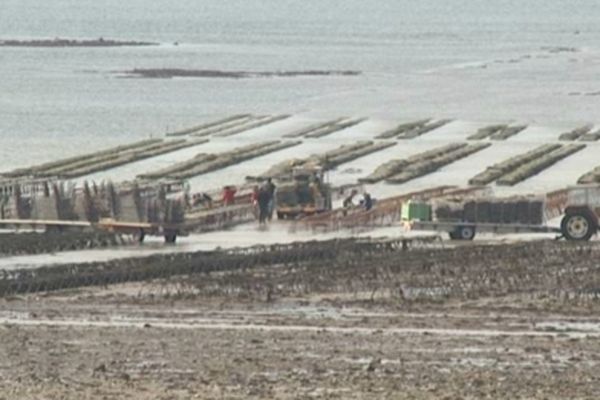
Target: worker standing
[270,187]
[263,198]
[229,195]
[367,201]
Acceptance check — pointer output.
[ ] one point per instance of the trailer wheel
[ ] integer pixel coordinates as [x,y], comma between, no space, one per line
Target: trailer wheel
[170,238]
[577,226]
[453,235]
[464,233]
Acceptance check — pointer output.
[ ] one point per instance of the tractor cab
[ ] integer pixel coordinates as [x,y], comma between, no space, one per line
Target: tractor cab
[305,192]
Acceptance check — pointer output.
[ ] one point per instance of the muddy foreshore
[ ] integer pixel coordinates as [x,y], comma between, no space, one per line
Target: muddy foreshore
[339,319]
[384,269]
[168,339]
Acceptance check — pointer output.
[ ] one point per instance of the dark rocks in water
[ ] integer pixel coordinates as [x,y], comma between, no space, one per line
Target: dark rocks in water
[497,132]
[397,166]
[505,167]
[486,132]
[424,167]
[590,177]
[74,167]
[576,133]
[508,132]
[166,73]
[205,163]
[411,130]
[327,160]
[61,42]
[424,129]
[537,165]
[559,49]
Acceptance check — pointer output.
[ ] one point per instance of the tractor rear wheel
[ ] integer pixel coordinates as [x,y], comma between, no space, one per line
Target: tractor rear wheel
[578,226]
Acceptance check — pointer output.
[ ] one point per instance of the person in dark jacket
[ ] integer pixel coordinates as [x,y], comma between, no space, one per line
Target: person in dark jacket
[270,187]
[263,199]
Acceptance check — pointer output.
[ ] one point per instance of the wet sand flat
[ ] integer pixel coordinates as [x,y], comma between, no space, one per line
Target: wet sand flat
[70,347]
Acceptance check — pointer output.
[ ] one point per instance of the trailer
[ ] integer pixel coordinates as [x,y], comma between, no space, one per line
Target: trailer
[139,230]
[579,206]
[460,230]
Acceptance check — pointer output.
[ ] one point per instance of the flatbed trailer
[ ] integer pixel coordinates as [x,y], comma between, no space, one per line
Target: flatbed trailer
[458,230]
[579,206]
[139,230]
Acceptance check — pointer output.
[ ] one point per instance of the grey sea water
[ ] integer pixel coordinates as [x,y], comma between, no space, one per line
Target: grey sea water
[479,60]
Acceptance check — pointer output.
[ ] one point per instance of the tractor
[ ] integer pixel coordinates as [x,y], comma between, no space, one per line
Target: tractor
[581,220]
[303,193]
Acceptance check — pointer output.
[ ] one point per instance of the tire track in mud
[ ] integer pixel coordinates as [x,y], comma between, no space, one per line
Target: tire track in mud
[216,325]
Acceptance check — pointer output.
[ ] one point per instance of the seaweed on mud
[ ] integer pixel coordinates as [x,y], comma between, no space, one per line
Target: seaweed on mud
[382,268]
